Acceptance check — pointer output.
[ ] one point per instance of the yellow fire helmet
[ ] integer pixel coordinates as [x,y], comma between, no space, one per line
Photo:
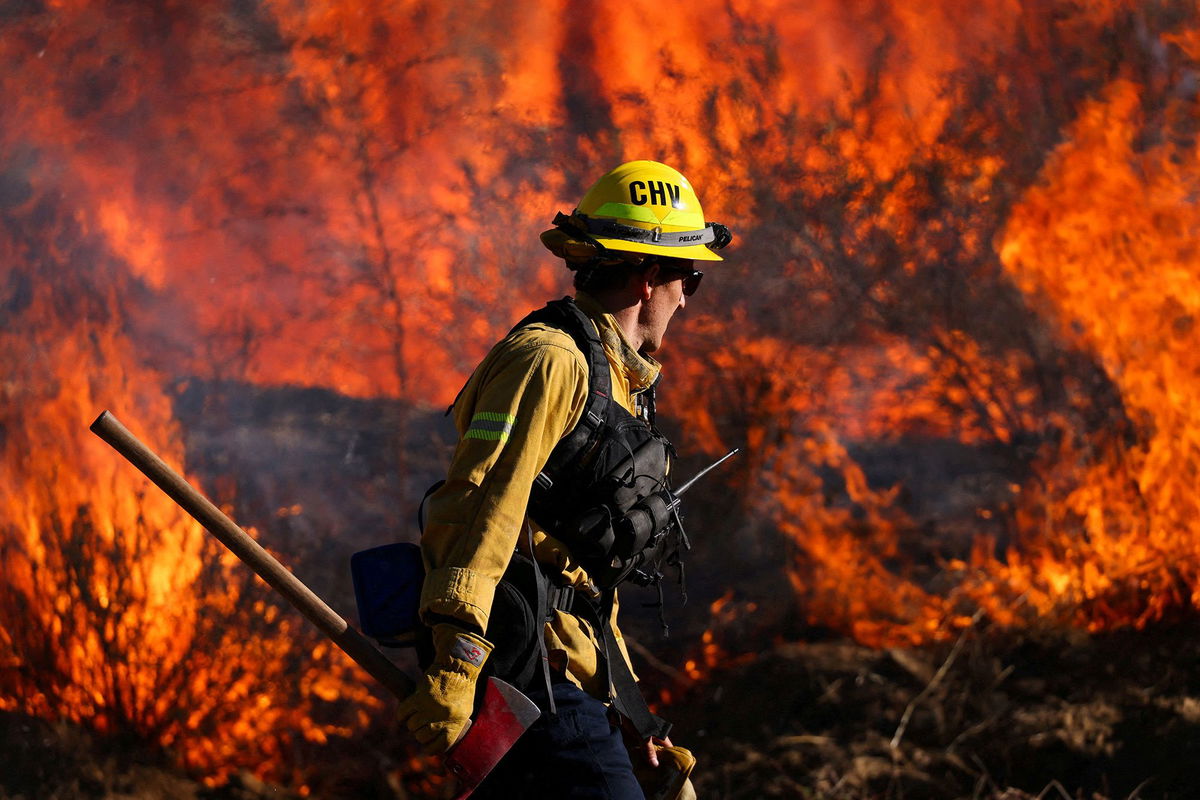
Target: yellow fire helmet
[639,207]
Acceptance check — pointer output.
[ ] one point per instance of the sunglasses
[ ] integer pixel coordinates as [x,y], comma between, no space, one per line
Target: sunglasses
[691,277]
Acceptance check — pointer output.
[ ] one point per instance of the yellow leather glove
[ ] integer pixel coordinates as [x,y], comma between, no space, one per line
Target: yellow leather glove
[439,710]
[670,779]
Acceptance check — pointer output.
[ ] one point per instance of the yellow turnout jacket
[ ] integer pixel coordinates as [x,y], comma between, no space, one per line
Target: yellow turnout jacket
[522,399]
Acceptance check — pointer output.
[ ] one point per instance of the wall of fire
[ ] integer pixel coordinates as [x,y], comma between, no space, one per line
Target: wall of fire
[956,332]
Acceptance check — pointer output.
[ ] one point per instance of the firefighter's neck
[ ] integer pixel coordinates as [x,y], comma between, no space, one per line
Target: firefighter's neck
[628,305]
[627,319]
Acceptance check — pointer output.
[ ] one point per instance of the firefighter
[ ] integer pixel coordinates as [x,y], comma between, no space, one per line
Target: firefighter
[519,579]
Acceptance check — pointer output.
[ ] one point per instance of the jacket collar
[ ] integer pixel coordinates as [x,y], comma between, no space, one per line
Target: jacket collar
[640,370]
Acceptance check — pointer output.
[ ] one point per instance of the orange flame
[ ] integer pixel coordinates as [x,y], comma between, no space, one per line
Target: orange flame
[116,609]
[1106,238]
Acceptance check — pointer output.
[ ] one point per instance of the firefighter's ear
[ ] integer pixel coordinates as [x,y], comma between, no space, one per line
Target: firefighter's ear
[645,281]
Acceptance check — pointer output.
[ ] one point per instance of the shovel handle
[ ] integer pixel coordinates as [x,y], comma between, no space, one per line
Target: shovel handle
[353,643]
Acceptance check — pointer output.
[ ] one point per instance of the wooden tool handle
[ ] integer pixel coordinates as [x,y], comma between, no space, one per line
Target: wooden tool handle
[353,643]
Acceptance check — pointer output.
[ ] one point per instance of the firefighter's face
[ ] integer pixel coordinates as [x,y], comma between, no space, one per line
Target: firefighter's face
[666,297]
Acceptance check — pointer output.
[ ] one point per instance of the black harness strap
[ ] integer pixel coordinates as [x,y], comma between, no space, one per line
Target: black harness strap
[575,447]
[543,609]
[624,693]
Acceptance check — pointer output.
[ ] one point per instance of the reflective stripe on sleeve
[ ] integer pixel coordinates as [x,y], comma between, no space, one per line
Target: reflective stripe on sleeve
[490,426]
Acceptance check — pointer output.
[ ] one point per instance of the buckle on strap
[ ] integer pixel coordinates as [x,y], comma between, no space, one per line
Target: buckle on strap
[561,598]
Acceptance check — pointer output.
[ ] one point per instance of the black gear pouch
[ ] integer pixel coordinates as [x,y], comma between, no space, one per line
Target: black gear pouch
[514,627]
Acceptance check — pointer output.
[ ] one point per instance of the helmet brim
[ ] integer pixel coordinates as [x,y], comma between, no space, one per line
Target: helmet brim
[695,252]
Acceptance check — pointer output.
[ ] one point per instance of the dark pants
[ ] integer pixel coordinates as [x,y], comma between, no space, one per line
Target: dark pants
[576,754]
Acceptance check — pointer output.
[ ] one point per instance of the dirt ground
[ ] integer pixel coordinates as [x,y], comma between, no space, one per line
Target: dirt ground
[999,715]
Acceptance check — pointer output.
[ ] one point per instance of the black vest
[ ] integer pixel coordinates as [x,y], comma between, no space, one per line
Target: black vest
[601,469]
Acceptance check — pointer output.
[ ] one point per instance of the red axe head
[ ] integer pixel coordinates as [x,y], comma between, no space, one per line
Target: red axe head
[503,717]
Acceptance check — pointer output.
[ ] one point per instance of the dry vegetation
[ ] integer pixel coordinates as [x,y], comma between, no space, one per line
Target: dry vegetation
[996,716]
